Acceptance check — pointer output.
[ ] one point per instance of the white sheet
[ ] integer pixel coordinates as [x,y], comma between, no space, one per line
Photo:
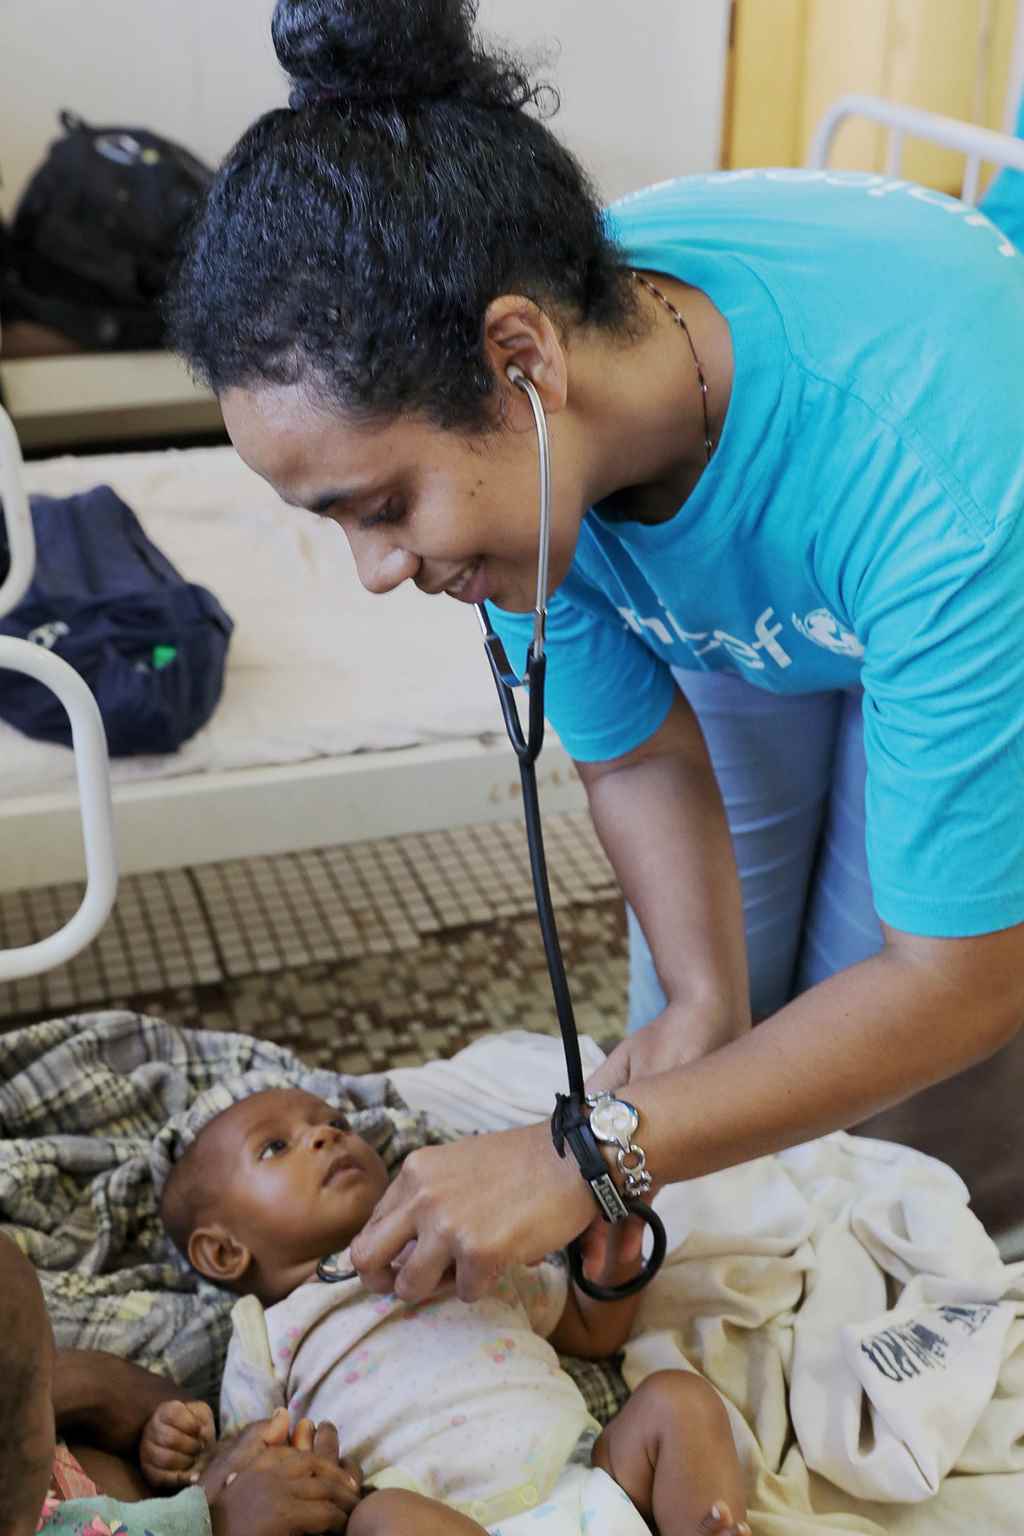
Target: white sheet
[777,1273]
[318,667]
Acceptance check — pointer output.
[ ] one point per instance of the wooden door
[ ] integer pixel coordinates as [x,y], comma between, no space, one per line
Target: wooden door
[790,59]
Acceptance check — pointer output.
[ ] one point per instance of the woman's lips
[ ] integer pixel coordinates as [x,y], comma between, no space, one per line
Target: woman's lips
[472,586]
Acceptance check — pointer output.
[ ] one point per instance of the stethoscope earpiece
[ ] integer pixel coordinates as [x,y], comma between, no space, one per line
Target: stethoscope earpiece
[515,374]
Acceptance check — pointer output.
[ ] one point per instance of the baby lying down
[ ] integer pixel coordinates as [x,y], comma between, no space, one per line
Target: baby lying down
[458,1414]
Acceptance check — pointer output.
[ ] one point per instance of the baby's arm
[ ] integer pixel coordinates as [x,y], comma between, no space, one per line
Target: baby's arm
[612,1253]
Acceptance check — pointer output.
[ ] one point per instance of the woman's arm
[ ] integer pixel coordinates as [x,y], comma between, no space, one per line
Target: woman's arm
[920,1011]
[659,815]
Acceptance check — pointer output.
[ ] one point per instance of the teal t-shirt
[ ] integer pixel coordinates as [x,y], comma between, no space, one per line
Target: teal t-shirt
[1004,200]
[861,521]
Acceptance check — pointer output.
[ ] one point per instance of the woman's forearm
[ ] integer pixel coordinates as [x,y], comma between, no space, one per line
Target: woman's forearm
[856,1043]
[660,818]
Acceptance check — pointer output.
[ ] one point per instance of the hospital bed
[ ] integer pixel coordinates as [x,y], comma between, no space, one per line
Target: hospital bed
[343,717]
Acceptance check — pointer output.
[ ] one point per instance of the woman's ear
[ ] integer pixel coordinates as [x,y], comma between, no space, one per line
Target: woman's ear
[217,1255]
[517,331]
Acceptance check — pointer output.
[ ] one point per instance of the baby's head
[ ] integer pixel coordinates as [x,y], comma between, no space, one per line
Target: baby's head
[26,1394]
[268,1188]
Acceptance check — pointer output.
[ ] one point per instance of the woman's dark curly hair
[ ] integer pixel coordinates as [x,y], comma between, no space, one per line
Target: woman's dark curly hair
[354,241]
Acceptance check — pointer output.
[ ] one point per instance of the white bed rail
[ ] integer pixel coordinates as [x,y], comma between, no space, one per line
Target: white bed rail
[87,734]
[979,145]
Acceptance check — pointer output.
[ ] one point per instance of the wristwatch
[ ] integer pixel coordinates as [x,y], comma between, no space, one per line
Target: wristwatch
[613,1122]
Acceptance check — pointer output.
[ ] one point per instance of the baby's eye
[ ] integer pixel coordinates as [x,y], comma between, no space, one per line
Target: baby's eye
[272,1148]
[339,1123]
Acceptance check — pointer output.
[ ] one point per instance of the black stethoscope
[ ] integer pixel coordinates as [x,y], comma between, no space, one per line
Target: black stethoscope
[527,746]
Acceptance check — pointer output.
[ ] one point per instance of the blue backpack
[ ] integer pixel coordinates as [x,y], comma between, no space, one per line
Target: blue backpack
[150,645]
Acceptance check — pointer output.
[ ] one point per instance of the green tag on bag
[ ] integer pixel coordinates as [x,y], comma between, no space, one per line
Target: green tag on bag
[163,655]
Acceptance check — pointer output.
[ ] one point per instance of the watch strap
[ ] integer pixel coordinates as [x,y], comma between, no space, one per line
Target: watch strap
[570,1128]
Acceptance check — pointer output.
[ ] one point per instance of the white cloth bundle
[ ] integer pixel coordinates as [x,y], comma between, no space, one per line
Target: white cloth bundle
[842,1297]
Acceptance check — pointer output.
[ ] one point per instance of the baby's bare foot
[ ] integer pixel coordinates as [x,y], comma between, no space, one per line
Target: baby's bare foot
[719,1522]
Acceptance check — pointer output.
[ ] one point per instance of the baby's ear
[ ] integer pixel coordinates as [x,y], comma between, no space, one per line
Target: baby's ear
[217,1255]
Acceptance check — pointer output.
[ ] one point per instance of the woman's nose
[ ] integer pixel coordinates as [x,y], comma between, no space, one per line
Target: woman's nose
[380,564]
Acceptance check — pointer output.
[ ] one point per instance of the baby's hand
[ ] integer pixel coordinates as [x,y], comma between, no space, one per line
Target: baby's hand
[612,1250]
[175,1439]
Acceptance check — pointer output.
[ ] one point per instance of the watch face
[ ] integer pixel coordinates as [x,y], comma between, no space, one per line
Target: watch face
[614,1120]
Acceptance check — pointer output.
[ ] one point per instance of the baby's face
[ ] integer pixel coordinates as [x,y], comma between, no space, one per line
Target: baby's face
[296,1183]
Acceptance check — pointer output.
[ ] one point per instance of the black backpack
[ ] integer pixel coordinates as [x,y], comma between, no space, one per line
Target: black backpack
[95,234]
[151,646]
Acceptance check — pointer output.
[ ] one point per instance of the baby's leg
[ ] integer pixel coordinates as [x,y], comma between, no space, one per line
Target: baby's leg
[671,1450]
[395,1512]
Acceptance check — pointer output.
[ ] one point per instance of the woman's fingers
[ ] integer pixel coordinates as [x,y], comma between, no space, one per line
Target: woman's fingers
[422,1269]
[476,1205]
[615,1071]
[389,1230]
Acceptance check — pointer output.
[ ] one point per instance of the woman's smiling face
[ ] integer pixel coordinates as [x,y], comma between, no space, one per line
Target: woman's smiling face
[454,514]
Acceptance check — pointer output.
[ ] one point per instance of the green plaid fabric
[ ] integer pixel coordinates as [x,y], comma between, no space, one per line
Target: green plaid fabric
[85,1103]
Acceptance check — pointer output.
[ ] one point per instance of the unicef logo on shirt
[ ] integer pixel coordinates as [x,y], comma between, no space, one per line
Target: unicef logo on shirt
[824,629]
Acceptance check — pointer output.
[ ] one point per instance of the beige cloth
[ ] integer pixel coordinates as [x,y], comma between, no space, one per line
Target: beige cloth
[809,1288]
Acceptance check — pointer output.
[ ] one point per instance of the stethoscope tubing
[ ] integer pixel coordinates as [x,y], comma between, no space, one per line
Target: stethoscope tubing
[527,747]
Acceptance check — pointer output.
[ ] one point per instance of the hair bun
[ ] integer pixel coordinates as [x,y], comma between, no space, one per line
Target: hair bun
[380,50]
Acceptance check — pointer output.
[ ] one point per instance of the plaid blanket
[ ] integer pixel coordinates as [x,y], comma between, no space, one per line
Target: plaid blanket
[81,1100]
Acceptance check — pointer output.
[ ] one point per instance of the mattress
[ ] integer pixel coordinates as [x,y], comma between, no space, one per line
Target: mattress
[318,667]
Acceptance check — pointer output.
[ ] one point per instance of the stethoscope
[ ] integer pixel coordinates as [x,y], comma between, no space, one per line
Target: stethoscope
[527,746]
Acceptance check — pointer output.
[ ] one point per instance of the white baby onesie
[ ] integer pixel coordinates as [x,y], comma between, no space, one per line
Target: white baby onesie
[464,1402]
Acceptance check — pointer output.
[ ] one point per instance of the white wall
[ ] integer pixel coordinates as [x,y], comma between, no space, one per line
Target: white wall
[640,80]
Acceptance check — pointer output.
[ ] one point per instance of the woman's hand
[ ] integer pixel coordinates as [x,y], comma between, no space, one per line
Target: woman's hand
[176,1438]
[673,1039]
[469,1210]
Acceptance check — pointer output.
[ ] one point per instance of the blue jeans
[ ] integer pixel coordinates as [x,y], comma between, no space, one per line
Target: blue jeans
[791,772]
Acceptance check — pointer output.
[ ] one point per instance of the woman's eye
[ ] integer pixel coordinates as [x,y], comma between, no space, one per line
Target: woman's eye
[271,1149]
[393,511]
